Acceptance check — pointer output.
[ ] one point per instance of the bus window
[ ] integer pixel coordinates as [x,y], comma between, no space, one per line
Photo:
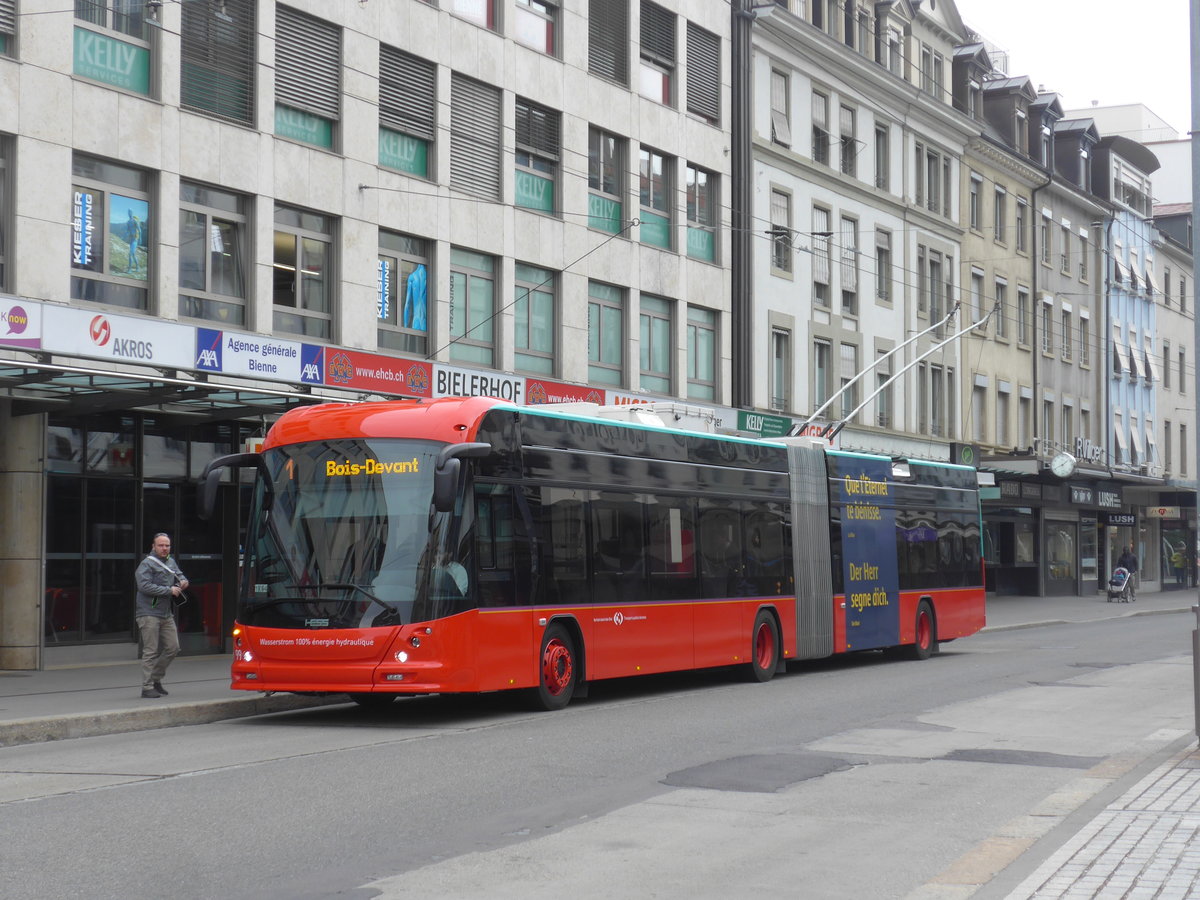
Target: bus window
[767,557]
[498,546]
[671,548]
[720,548]
[618,549]
[560,529]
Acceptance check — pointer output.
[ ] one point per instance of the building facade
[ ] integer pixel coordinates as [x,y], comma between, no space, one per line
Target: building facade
[240,206]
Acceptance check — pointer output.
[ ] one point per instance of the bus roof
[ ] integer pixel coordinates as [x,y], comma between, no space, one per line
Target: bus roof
[450,420]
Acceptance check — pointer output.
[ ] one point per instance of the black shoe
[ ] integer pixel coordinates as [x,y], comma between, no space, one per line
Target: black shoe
[150,694]
[162,690]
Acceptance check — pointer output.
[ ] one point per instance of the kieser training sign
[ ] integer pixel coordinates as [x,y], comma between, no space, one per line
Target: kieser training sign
[84,332]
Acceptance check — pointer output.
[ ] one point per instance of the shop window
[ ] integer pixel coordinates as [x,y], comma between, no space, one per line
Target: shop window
[481,12]
[303,282]
[606,334]
[654,194]
[472,307]
[217,59]
[111,236]
[5,207]
[534,314]
[212,251]
[655,344]
[606,181]
[407,112]
[657,72]
[536,25]
[111,44]
[8,25]
[402,306]
[701,214]
[308,69]
[702,353]
[536,157]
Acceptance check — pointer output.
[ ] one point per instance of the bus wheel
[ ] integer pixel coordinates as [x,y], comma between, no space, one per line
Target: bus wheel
[764,647]
[557,672]
[925,643]
[373,701]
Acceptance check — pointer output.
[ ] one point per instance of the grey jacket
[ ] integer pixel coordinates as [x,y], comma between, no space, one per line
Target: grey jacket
[155,577]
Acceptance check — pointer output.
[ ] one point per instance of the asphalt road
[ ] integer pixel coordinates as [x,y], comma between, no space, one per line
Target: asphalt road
[859,777]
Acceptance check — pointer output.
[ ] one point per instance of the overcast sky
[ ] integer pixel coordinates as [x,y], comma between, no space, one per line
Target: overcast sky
[1104,50]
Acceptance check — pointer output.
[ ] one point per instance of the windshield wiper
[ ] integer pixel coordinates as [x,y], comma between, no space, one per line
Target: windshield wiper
[350,586]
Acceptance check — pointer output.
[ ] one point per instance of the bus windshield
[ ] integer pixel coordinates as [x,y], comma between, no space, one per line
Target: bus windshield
[342,536]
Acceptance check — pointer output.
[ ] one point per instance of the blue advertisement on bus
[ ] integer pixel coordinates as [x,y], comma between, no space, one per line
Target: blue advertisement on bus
[870,575]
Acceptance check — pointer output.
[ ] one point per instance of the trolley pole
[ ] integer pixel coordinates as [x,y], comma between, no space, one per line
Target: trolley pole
[1194,134]
[1196,670]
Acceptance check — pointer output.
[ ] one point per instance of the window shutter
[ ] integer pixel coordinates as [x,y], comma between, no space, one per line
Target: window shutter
[537,129]
[407,93]
[608,39]
[658,33]
[704,73]
[475,137]
[217,59]
[307,63]
[8,16]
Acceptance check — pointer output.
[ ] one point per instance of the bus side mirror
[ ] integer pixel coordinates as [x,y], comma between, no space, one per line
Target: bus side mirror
[210,479]
[447,469]
[445,485]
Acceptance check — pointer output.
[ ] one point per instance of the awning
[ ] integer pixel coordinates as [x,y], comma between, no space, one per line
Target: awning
[1135,434]
[1122,445]
[1120,352]
[1155,373]
[1137,363]
[40,387]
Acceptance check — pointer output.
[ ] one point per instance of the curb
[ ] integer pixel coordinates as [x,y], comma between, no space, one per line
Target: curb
[57,728]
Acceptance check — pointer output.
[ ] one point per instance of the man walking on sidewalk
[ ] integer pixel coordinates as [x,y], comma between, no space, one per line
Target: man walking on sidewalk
[159,582]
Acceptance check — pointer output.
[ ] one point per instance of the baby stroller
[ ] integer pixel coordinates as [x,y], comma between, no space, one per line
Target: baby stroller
[1120,586]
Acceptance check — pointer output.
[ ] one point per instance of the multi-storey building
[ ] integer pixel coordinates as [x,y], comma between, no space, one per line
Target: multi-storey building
[214,210]
[857,147]
[1175,396]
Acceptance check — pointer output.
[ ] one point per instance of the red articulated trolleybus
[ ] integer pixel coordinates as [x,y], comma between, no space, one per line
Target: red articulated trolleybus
[467,545]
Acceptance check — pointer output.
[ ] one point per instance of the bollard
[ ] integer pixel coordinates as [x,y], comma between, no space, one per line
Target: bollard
[1196,669]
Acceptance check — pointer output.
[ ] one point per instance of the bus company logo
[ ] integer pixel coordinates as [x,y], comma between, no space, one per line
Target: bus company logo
[100,331]
[417,380]
[340,369]
[535,392]
[618,618]
[16,319]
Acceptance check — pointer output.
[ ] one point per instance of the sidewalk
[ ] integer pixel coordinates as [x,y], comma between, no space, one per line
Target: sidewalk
[1146,844]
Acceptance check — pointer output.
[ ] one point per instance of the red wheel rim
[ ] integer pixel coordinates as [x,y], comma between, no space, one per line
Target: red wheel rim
[557,667]
[924,629]
[764,646]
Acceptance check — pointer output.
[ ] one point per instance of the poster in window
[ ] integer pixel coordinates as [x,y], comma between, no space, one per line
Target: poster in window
[85,216]
[128,234]
[416,300]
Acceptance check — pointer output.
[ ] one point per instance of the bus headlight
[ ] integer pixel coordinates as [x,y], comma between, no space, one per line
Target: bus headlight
[415,641]
[402,656]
